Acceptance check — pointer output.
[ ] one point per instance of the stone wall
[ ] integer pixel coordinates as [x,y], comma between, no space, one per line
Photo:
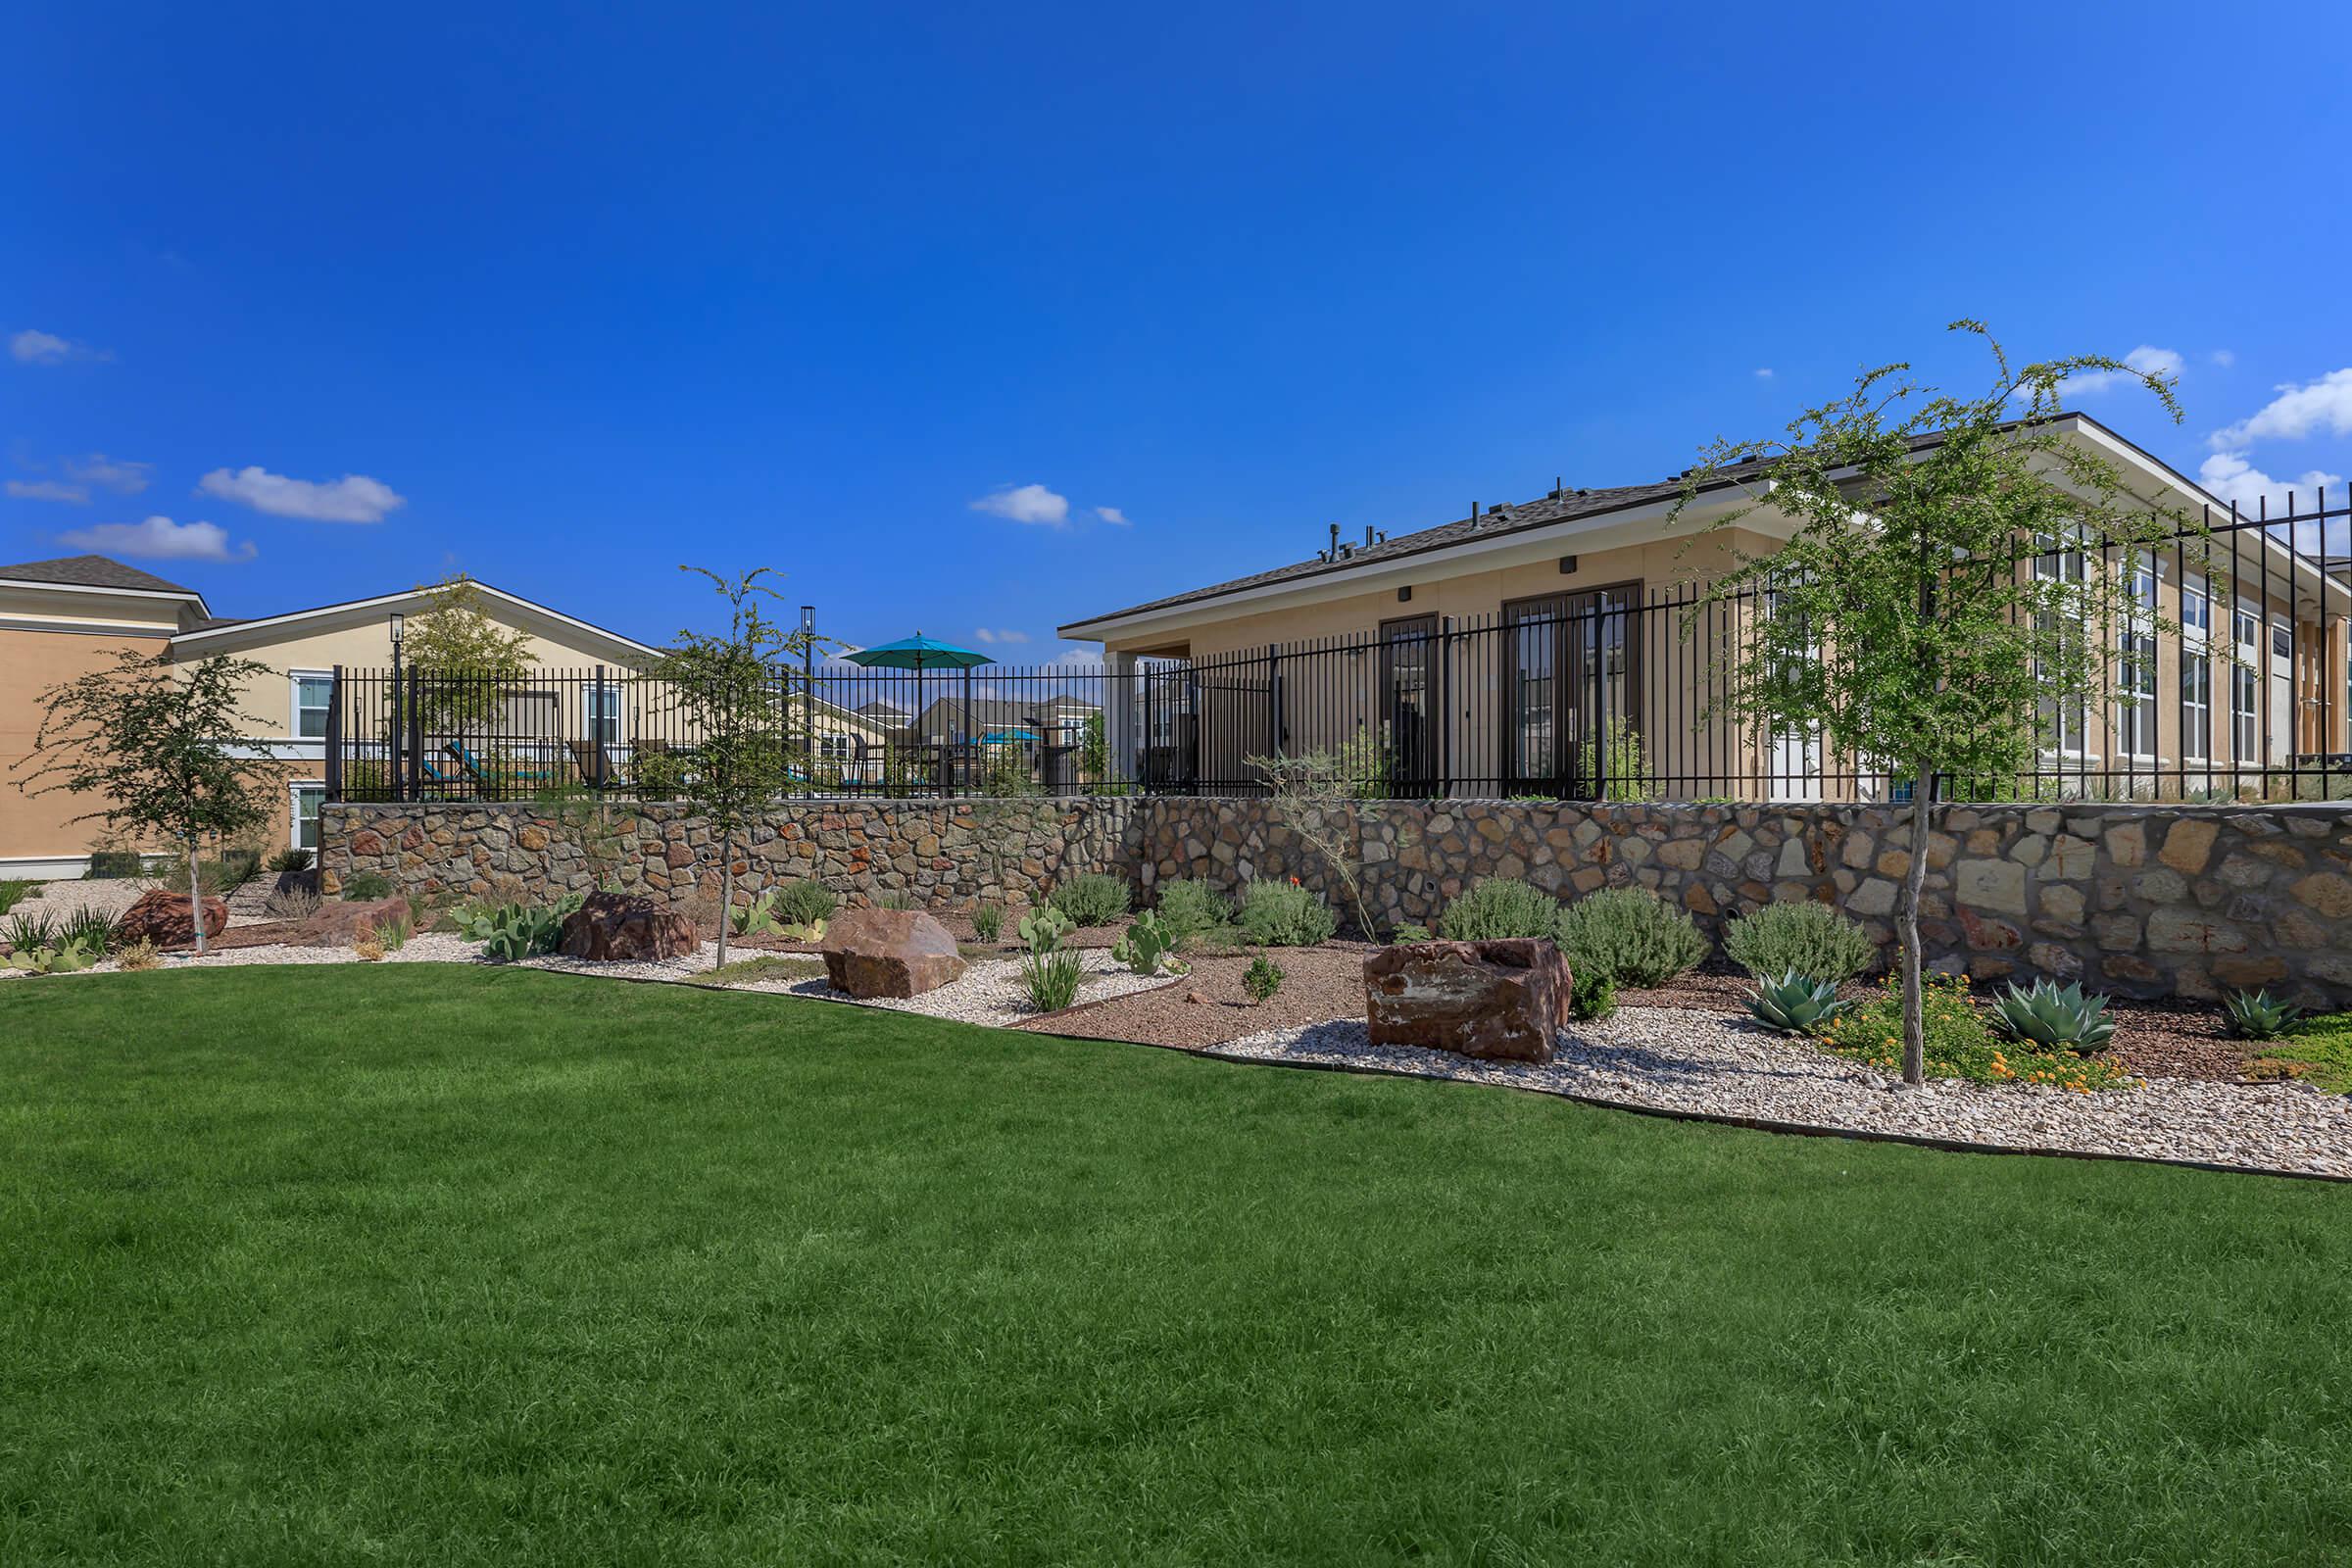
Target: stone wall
[942,855]
[2144,900]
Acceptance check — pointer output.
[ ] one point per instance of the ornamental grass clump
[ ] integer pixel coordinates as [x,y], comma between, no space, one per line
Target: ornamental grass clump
[1095,898]
[1497,907]
[1050,971]
[1628,937]
[1808,939]
[1961,1043]
[1286,915]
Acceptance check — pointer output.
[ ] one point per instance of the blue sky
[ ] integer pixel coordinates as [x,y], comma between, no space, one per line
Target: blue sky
[564,300]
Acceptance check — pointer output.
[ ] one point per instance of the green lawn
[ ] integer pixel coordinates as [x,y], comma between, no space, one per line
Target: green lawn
[428,1265]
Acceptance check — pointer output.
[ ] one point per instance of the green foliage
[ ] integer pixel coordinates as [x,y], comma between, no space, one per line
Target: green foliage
[513,931]
[896,898]
[1284,915]
[2259,1015]
[12,893]
[287,861]
[109,865]
[2317,1051]
[1094,752]
[755,919]
[988,922]
[805,900]
[2049,1015]
[1629,937]
[55,958]
[1262,979]
[365,887]
[1314,794]
[1793,1003]
[26,933]
[1617,765]
[1960,1042]
[236,867]
[1190,908]
[1146,946]
[466,663]
[85,927]
[1043,930]
[1095,898]
[1408,932]
[1807,939]
[1050,974]
[1591,998]
[1496,907]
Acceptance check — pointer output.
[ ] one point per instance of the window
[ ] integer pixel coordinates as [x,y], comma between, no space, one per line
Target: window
[2248,628]
[2283,642]
[2135,706]
[314,691]
[2196,707]
[307,797]
[2196,608]
[604,714]
[2245,739]
[2063,572]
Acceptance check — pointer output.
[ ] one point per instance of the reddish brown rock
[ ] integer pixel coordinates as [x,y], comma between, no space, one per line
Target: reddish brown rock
[889,953]
[162,919]
[1502,1000]
[611,926]
[338,923]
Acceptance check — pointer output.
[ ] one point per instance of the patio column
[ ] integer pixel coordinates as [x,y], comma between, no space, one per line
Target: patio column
[1118,714]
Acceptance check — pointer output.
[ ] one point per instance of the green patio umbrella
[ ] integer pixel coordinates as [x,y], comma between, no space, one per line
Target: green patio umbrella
[920,652]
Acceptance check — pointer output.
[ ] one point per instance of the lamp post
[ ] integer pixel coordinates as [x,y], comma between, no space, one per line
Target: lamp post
[400,715]
[808,695]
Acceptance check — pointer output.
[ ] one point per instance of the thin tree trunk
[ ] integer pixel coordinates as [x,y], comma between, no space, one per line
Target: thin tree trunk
[195,897]
[1915,880]
[726,892]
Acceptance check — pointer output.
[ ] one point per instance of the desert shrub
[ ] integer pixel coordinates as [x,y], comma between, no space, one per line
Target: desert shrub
[89,928]
[368,949]
[1408,932]
[988,922]
[1262,978]
[291,904]
[108,865]
[1095,898]
[286,861]
[236,867]
[140,954]
[894,899]
[29,933]
[803,900]
[1286,915]
[1808,939]
[1190,908]
[12,893]
[1628,937]
[367,886]
[1960,1043]
[1591,997]
[1496,907]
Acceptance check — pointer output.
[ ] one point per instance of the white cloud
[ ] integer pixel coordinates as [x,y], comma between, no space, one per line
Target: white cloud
[2297,412]
[38,348]
[1111,515]
[123,479]
[48,490]
[160,539]
[2222,358]
[2230,477]
[2146,360]
[1764,372]
[1028,503]
[353,498]
[998,635]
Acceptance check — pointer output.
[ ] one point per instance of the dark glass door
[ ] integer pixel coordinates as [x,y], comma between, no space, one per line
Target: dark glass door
[1408,705]
[1571,691]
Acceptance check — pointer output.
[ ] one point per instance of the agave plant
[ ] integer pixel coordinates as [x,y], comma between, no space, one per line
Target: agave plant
[2049,1015]
[1793,1003]
[2259,1015]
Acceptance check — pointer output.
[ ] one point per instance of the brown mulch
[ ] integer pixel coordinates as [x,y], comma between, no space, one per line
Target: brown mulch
[1317,984]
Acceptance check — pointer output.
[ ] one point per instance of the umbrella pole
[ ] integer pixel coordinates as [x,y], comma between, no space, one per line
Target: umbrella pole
[968,738]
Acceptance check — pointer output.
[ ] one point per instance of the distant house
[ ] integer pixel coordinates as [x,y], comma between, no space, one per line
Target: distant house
[886,714]
[1058,721]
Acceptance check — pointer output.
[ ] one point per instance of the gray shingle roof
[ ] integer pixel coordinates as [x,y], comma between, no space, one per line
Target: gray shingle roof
[90,571]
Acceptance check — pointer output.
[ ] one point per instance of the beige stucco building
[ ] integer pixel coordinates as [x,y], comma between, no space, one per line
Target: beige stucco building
[1556,646]
[65,618]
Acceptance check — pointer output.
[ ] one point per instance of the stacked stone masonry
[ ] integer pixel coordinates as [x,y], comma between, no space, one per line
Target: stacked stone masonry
[2142,899]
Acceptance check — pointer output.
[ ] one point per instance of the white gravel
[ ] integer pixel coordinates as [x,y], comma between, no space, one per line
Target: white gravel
[989,991]
[1710,1064]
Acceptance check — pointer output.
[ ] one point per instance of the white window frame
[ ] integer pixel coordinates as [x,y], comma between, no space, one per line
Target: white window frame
[2245,715]
[590,717]
[295,788]
[294,704]
[2195,591]
[2071,721]
[2197,716]
[2135,707]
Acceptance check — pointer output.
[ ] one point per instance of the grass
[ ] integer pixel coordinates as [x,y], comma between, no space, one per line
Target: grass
[2320,1051]
[451,1267]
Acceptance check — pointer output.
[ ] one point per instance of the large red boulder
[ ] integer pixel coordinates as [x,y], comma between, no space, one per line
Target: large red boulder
[162,917]
[889,953]
[1501,999]
[338,922]
[617,926]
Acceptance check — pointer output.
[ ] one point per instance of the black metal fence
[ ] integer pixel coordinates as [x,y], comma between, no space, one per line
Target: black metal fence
[2231,682]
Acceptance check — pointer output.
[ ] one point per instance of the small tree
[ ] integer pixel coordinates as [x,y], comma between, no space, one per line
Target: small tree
[730,693]
[154,743]
[1317,796]
[1906,620]
[465,661]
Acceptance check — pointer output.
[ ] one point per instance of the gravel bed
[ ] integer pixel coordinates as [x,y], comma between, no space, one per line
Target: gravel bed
[1210,1006]
[989,991]
[1708,1064]
[109,896]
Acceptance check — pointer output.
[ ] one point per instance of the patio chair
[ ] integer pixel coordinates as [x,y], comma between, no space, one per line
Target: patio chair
[594,762]
[483,775]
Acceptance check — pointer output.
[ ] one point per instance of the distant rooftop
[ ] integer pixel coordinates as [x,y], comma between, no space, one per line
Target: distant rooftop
[92,571]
